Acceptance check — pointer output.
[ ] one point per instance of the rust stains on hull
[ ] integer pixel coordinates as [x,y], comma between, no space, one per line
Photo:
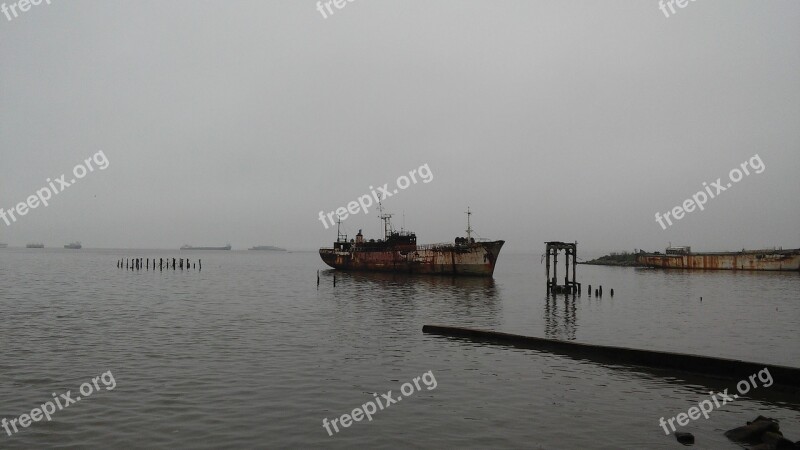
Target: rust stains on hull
[471,259]
[766,260]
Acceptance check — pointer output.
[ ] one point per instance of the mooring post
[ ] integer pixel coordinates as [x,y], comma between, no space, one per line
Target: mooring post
[547,254]
[575,263]
[317,277]
[566,269]
[200,263]
[555,267]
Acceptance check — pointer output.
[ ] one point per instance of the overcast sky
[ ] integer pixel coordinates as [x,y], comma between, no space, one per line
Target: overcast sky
[238,121]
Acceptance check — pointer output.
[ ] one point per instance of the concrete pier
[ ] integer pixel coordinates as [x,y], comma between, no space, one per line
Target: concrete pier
[705,365]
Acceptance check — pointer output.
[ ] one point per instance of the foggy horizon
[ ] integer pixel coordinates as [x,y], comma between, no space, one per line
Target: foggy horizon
[239,122]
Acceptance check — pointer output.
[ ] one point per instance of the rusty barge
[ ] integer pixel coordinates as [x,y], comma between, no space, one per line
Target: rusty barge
[684,258]
[398,252]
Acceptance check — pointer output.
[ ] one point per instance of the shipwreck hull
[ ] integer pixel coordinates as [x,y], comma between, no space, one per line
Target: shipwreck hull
[779,260]
[476,259]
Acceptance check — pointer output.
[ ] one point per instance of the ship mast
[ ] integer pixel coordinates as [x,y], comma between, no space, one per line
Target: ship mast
[469,227]
[387,222]
[339,234]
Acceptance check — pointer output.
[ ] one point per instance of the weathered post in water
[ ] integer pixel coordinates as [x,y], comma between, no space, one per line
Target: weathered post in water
[575,264]
[547,265]
[555,269]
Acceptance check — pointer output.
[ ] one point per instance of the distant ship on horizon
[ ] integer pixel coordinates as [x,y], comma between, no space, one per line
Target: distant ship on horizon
[74,245]
[34,245]
[3,245]
[267,248]
[189,247]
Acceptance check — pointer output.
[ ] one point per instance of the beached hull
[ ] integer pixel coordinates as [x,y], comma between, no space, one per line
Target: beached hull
[770,260]
[476,259]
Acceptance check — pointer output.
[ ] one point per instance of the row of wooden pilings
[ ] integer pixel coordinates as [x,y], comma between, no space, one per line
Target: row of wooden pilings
[598,292]
[146,263]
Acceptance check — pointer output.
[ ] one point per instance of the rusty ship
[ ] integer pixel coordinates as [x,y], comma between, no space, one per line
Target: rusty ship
[398,252]
[684,258]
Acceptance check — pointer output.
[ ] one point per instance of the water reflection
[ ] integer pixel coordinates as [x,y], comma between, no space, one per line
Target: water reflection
[444,298]
[560,314]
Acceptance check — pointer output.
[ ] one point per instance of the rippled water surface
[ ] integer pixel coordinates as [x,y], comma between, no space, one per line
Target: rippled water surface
[251,353]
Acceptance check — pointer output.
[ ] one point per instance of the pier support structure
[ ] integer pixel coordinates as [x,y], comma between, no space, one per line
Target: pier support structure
[570,250]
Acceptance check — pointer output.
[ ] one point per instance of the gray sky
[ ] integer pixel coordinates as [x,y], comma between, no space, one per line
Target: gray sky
[239,121]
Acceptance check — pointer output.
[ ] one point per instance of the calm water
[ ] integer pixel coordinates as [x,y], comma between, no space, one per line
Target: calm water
[250,353]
